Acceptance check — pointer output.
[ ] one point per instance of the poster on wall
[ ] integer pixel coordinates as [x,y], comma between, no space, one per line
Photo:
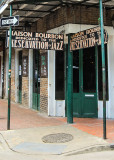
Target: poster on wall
[25,66]
[87,38]
[44,70]
[33,40]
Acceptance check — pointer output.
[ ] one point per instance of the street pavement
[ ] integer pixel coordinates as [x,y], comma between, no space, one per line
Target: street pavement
[29,127]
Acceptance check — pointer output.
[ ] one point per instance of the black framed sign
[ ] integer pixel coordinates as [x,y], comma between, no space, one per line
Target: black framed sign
[33,40]
[25,66]
[87,38]
[44,69]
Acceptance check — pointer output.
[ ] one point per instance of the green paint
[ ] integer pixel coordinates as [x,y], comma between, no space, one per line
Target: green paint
[85,103]
[66,64]
[20,96]
[43,58]
[70,85]
[96,62]
[9,76]
[103,69]
[36,101]
[36,92]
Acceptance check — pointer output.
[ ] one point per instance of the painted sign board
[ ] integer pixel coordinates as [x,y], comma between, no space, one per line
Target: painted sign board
[33,40]
[44,68]
[87,38]
[25,66]
[10,21]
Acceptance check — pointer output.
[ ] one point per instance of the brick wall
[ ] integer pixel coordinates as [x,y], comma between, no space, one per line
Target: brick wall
[25,81]
[44,95]
[13,76]
[5,75]
[75,15]
[25,91]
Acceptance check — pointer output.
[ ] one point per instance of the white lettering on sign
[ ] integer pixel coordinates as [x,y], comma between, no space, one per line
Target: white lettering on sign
[87,38]
[43,41]
[9,21]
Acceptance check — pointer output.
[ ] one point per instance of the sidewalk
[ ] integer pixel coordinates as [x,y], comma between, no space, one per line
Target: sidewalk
[28,129]
[94,127]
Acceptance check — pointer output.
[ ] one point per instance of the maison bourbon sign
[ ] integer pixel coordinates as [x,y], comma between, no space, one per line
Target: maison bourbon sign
[87,38]
[33,40]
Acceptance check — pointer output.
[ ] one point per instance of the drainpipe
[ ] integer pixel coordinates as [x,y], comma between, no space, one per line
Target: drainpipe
[103,69]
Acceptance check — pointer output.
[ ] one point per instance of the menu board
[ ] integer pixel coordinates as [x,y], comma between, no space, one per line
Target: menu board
[25,66]
[44,71]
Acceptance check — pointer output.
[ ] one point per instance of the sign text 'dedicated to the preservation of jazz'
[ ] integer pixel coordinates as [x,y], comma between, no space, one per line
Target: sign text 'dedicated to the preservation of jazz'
[33,40]
[87,38]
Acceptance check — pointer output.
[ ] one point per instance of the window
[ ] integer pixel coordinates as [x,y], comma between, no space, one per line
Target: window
[36,71]
[59,75]
[76,71]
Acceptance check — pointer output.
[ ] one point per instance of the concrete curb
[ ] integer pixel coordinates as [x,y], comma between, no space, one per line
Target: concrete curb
[3,143]
[96,148]
[22,141]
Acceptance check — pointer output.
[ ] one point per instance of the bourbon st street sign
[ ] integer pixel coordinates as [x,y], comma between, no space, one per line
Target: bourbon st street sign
[33,40]
[87,38]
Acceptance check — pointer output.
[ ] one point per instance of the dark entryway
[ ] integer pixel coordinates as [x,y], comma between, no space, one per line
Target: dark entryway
[36,80]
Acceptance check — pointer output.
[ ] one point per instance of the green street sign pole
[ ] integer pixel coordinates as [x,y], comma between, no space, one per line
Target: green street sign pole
[9,75]
[103,69]
[70,85]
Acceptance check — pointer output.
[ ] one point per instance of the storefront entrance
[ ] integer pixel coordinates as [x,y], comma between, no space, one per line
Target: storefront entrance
[85,83]
[36,80]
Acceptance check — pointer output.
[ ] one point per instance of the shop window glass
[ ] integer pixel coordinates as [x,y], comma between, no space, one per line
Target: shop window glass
[36,71]
[59,75]
[89,71]
[76,72]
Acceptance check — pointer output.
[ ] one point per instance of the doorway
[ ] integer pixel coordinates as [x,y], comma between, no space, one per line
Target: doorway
[85,83]
[36,80]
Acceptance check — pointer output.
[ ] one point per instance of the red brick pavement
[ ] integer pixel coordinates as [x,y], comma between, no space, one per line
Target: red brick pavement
[27,118]
[94,126]
[24,118]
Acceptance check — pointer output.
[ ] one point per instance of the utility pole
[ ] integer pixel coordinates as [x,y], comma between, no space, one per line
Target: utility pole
[103,69]
[9,75]
[70,85]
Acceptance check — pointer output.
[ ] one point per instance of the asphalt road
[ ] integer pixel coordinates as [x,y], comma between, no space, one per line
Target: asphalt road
[104,155]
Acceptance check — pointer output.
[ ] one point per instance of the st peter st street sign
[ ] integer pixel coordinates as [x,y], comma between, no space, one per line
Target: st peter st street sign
[10,21]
